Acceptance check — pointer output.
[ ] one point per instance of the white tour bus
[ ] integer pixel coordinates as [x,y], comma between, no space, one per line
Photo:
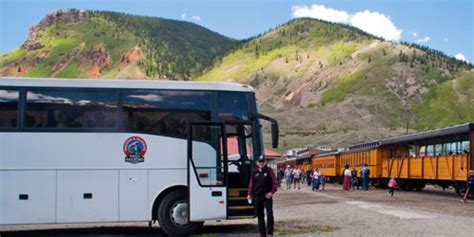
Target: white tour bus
[75,151]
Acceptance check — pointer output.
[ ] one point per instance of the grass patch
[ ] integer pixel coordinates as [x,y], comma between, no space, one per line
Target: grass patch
[447,104]
[13,55]
[342,87]
[298,227]
[340,52]
[70,71]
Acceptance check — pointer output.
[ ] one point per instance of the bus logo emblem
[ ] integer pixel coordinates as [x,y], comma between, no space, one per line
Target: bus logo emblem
[134,149]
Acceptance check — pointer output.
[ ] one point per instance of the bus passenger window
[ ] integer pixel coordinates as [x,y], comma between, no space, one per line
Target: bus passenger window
[70,109]
[8,108]
[165,112]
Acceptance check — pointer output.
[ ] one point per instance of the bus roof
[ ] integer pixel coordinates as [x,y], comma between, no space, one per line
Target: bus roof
[126,84]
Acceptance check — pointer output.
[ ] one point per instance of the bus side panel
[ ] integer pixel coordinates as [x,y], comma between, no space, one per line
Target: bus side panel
[87,196]
[133,195]
[27,197]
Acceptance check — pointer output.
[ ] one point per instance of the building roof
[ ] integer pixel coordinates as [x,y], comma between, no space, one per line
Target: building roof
[233,149]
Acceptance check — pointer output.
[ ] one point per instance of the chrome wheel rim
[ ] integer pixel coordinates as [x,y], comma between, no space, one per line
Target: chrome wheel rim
[179,213]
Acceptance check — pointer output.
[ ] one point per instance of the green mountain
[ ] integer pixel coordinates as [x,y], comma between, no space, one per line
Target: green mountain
[336,85]
[326,83]
[78,43]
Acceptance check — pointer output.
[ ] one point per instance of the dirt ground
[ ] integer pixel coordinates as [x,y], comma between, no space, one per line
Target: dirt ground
[331,212]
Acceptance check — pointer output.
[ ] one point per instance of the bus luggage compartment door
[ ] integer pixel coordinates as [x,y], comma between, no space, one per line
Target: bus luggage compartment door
[207,172]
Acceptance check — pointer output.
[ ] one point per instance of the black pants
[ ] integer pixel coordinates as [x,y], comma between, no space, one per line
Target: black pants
[260,203]
[391,191]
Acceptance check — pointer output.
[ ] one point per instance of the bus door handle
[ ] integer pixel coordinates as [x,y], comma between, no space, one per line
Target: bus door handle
[216,193]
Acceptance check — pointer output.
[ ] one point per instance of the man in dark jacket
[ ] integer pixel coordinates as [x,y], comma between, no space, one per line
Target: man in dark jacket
[263,184]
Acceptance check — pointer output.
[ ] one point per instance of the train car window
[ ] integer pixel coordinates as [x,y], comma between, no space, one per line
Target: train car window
[466,147]
[438,150]
[430,150]
[8,108]
[454,148]
[422,151]
[412,151]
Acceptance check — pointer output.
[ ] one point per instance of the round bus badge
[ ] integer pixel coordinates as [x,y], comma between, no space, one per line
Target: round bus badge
[134,149]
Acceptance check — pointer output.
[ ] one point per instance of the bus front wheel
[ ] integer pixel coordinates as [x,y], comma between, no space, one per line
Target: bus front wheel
[173,215]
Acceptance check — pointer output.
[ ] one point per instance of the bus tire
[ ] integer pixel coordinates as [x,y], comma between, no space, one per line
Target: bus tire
[170,221]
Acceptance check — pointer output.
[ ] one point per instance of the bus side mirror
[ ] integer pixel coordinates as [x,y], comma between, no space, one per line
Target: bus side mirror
[275,134]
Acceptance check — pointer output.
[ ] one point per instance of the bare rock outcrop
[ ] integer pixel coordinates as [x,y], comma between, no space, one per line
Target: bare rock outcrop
[57,17]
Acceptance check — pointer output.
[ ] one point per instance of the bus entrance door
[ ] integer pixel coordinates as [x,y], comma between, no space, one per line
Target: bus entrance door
[207,171]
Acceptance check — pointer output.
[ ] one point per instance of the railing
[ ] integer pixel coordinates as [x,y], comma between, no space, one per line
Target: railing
[443,167]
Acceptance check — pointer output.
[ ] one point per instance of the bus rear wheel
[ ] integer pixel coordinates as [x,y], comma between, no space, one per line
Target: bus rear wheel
[173,215]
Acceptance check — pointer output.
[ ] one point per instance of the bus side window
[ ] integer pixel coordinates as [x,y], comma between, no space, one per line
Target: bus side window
[70,108]
[8,108]
[165,112]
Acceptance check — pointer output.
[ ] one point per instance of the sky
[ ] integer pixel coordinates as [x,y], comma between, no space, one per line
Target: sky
[445,25]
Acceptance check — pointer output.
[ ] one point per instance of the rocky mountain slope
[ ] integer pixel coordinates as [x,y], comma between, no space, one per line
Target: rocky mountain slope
[96,44]
[333,84]
[326,83]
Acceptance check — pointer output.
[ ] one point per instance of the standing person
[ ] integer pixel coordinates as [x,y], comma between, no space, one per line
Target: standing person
[296,178]
[279,177]
[302,173]
[309,174]
[322,180]
[364,176]
[392,184]
[316,176]
[346,181]
[470,186]
[262,186]
[354,179]
[282,174]
[288,175]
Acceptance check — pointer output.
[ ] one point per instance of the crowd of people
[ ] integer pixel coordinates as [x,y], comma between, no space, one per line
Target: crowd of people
[295,177]
[356,180]
[351,179]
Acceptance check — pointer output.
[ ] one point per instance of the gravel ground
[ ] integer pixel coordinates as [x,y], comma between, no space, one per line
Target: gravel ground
[332,212]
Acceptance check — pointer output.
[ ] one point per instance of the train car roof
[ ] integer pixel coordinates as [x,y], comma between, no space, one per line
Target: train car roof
[328,153]
[125,84]
[460,129]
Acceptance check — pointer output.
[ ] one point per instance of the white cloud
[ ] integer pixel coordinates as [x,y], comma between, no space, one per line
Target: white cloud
[371,22]
[461,57]
[320,12]
[377,24]
[196,18]
[424,40]
[445,39]
[414,34]
[183,16]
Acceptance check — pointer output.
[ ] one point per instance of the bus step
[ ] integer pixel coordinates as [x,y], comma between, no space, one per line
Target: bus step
[237,192]
[237,198]
[241,207]
[242,212]
[240,217]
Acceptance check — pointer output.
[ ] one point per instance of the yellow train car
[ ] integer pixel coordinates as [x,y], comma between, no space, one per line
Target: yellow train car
[442,157]
[328,164]
[358,155]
